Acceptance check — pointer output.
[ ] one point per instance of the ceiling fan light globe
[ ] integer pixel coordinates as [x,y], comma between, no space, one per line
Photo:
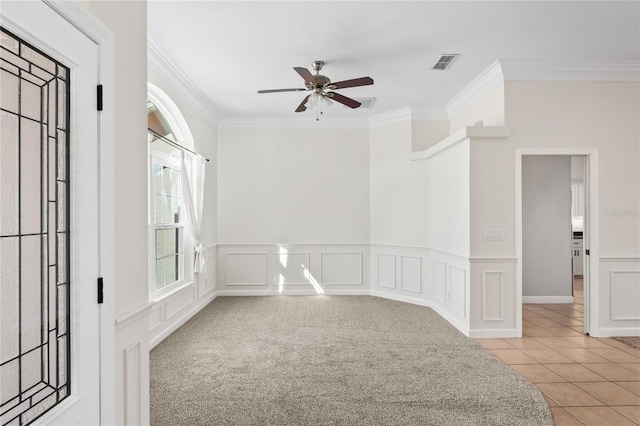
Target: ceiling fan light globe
[326,102]
[312,101]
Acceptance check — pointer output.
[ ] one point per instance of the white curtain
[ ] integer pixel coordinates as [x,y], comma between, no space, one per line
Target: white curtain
[192,180]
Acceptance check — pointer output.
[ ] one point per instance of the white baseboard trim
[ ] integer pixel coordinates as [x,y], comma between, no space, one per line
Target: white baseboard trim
[498,333]
[295,292]
[423,302]
[183,319]
[547,299]
[613,332]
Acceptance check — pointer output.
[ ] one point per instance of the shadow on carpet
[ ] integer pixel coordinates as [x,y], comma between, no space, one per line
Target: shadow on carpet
[323,360]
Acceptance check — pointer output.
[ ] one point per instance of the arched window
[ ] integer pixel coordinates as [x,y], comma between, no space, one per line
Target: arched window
[169,261]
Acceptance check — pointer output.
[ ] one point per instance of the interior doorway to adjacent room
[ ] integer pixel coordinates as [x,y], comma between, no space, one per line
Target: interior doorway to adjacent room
[556,232]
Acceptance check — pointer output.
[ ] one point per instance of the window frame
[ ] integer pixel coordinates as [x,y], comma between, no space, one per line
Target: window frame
[165,160]
[170,112]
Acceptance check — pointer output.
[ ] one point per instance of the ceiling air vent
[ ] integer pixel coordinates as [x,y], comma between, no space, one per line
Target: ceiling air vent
[445,61]
[366,102]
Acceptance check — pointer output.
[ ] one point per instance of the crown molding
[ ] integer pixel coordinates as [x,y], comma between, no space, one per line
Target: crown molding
[160,63]
[482,84]
[526,70]
[277,123]
[406,114]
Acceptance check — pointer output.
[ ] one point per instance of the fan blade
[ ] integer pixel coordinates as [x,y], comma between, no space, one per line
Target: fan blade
[351,103]
[281,90]
[304,73]
[301,107]
[362,81]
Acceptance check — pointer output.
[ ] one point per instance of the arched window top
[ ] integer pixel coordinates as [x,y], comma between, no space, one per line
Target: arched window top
[164,117]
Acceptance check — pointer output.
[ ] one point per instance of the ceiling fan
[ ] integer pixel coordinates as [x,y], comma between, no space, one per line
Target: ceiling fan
[322,88]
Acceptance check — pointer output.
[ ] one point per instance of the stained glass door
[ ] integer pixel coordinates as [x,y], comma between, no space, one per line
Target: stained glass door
[49,371]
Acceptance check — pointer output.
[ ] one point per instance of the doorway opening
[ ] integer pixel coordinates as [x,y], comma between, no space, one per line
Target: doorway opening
[556,239]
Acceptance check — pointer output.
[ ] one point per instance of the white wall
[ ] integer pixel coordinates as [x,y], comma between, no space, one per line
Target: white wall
[427,133]
[293,186]
[563,115]
[602,115]
[420,220]
[449,200]
[293,211]
[546,229]
[127,21]
[399,189]
[488,108]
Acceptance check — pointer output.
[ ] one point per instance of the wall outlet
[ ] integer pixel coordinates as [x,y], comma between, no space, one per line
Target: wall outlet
[494,234]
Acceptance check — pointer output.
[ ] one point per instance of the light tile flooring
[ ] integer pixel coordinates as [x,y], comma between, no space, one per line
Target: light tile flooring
[586,380]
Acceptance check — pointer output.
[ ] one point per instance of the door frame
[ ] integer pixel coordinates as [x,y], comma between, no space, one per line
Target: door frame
[592,233]
[80,18]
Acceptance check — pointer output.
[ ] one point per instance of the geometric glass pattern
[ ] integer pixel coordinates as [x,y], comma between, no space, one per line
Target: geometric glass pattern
[35,356]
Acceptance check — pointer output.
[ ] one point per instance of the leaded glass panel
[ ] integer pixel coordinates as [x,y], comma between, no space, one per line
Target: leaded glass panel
[34,232]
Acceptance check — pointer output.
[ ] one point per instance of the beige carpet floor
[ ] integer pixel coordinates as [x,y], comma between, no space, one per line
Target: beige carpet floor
[634,342]
[341,360]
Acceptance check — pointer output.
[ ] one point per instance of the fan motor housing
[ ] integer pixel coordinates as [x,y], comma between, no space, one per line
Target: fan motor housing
[319,82]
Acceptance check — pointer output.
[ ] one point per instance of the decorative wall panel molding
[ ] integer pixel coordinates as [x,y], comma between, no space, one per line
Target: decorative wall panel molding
[411,274]
[493,296]
[156,317]
[440,281]
[386,271]
[458,290]
[247,269]
[341,268]
[132,384]
[261,269]
[624,295]
[292,268]
[179,301]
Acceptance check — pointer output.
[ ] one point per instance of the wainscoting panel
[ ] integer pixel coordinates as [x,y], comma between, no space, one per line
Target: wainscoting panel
[132,384]
[341,268]
[175,307]
[247,269]
[295,269]
[493,296]
[411,273]
[207,280]
[619,297]
[386,270]
[625,295]
[156,317]
[292,268]
[458,290]
[179,301]
[440,281]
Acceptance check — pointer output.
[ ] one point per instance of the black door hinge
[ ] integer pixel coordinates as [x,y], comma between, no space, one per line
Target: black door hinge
[99,97]
[586,252]
[100,290]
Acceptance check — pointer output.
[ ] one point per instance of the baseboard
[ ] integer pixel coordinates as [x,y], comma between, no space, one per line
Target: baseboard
[615,332]
[295,292]
[547,299]
[498,333]
[183,319]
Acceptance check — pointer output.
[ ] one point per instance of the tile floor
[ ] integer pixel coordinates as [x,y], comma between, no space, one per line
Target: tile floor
[586,380]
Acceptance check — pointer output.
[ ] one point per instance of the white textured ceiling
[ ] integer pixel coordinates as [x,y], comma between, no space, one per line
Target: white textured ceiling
[231,49]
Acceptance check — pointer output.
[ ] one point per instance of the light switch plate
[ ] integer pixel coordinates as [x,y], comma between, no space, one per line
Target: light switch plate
[494,234]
